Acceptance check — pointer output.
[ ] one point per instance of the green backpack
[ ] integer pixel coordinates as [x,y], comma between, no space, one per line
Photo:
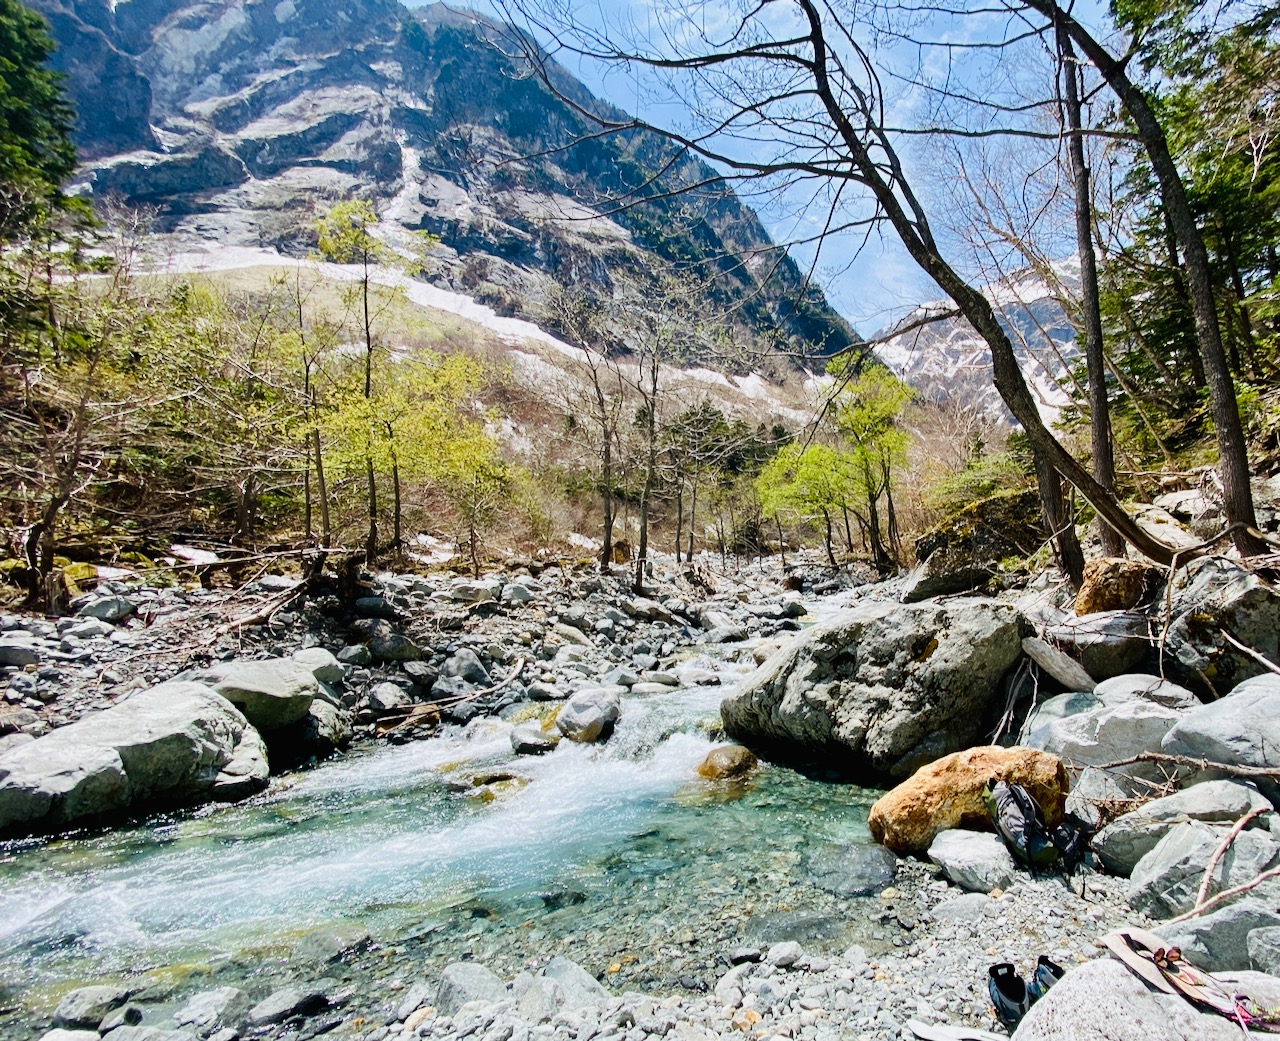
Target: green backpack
[1018,820]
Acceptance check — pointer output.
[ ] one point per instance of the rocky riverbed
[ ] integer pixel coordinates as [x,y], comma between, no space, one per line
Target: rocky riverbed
[542,858]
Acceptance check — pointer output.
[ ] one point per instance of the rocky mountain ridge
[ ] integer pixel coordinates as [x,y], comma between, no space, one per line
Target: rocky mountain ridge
[241,121]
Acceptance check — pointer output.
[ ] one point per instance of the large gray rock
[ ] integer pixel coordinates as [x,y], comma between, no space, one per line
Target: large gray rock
[1057,707]
[18,651]
[1208,596]
[211,1010]
[1219,941]
[974,860]
[271,693]
[1107,735]
[317,735]
[1164,883]
[590,714]
[108,609]
[1139,686]
[1107,643]
[1126,840]
[305,999]
[85,1008]
[465,664]
[322,664]
[1095,792]
[885,686]
[1242,729]
[581,989]
[464,981]
[1103,1001]
[173,745]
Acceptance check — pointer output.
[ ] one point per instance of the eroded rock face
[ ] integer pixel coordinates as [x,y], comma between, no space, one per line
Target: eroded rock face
[948,794]
[272,693]
[170,746]
[884,688]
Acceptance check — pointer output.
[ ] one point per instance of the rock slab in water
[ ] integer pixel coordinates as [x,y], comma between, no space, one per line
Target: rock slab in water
[85,1008]
[861,869]
[271,693]
[590,714]
[173,745]
[727,761]
[887,686]
[948,794]
[974,860]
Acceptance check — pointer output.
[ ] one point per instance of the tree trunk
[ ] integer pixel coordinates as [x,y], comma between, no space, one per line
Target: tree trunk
[693,514]
[679,519]
[371,539]
[322,489]
[1232,451]
[917,237]
[826,521]
[606,492]
[782,542]
[1104,468]
[1059,522]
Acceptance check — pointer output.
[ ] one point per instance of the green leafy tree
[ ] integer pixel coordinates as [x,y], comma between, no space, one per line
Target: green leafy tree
[811,481]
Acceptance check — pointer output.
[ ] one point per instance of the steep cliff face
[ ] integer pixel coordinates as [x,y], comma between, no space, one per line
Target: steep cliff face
[242,120]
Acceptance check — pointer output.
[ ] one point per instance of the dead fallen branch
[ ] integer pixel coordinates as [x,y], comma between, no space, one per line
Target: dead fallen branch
[1225,895]
[421,715]
[1203,893]
[1269,773]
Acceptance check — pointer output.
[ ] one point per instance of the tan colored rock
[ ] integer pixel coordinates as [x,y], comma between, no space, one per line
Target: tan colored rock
[948,794]
[727,761]
[1114,584]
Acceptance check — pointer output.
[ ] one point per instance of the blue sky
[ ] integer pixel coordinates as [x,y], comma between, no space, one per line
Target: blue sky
[871,281]
[869,284]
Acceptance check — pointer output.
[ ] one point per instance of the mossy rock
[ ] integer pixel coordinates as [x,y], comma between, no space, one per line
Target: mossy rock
[965,550]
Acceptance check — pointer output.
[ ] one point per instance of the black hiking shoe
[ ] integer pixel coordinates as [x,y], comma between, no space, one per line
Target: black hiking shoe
[1008,994]
[1046,975]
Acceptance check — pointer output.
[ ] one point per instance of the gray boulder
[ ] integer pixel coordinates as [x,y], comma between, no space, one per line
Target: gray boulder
[317,735]
[18,651]
[891,686]
[1219,941]
[476,591]
[1103,1001]
[1057,707]
[531,739]
[1095,789]
[211,1010]
[1164,883]
[1208,596]
[1062,667]
[1142,687]
[580,988]
[466,981]
[321,663]
[1107,735]
[173,745]
[271,693]
[386,646]
[86,1007]
[860,869]
[1242,729]
[1264,949]
[1126,840]
[465,664]
[974,860]
[108,609]
[1106,643]
[590,714]
[387,697]
[301,1000]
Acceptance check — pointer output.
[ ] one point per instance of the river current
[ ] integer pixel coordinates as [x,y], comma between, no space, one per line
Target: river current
[619,856]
